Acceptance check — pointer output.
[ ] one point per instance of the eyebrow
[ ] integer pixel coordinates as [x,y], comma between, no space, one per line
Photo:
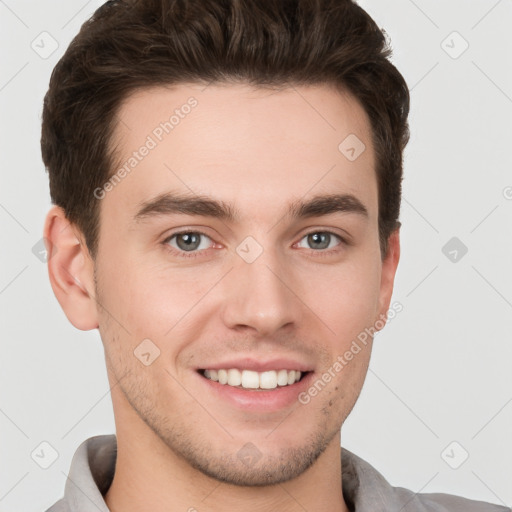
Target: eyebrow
[173,203]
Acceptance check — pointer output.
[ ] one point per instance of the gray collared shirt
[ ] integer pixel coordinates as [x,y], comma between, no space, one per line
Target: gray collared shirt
[364,488]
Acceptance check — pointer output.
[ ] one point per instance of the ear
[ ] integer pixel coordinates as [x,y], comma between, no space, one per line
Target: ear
[71,270]
[389,266]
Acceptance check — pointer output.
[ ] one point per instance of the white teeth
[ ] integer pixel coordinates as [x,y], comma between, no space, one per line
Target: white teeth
[223,376]
[234,377]
[282,378]
[268,380]
[250,379]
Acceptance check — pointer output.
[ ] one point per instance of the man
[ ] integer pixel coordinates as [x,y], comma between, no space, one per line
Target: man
[226,178]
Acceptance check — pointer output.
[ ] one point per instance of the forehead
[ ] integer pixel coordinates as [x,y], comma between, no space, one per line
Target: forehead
[250,145]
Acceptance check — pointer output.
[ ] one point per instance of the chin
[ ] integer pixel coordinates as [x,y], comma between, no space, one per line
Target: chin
[250,465]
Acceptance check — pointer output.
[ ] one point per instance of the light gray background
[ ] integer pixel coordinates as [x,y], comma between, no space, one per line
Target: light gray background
[441,370]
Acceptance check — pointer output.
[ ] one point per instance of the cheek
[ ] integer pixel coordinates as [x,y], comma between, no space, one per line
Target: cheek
[161,302]
[344,297]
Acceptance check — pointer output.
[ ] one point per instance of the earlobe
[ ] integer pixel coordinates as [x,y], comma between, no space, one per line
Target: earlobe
[389,266]
[71,270]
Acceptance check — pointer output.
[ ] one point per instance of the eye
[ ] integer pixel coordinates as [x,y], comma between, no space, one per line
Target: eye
[188,241]
[318,240]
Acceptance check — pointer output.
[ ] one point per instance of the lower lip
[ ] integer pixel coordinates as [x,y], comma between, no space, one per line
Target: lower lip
[259,401]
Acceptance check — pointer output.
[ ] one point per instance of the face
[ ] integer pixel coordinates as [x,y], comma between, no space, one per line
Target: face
[242,244]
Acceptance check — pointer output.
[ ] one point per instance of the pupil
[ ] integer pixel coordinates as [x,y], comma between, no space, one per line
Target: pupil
[321,239]
[186,241]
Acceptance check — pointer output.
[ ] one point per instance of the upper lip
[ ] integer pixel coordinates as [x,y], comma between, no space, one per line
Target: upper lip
[259,365]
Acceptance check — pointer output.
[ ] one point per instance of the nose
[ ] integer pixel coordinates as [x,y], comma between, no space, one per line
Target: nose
[259,296]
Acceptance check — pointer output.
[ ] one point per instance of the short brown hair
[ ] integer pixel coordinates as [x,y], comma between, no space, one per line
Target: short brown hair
[131,44]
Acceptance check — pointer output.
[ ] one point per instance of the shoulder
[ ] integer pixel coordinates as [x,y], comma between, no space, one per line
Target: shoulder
[90,475]
[60,506]
[440,502]
[367,490]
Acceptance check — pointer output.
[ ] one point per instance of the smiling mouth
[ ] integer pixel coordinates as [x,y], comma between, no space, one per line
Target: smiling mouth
[252,380]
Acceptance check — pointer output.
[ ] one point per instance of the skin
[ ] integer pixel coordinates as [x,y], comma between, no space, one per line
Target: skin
[259,150]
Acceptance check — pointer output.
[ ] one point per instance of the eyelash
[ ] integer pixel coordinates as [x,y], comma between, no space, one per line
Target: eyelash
[194,254]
